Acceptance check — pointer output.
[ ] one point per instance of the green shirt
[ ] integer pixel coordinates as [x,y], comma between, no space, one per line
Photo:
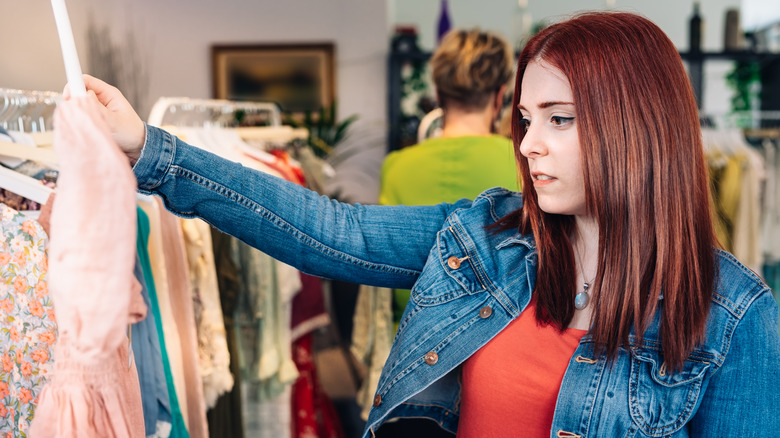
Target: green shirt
[445,170]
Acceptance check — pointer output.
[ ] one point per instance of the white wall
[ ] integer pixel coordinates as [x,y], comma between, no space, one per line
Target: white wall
[176,36]
[757,14]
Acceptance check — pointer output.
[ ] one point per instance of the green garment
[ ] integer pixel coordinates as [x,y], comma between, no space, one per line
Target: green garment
[178,428]
[445,170]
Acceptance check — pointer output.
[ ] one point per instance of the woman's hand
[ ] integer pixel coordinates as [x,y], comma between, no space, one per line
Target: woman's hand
[127,129]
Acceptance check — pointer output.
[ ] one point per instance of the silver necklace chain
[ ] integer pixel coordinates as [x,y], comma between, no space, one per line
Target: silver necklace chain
[582,299]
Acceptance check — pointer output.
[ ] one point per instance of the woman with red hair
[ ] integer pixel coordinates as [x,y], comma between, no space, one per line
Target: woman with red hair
[595,303]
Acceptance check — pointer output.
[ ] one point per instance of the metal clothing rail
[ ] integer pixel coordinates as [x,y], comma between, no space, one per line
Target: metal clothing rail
[26,117]
[184,111]
[753,124]
[30,111]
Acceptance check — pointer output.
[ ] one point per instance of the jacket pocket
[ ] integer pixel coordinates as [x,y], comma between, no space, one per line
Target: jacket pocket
[449,272]
[662,402]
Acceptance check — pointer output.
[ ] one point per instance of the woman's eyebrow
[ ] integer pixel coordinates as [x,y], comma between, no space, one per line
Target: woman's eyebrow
[549,104]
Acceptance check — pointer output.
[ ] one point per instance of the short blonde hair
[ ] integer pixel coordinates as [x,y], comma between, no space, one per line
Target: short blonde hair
[469,66]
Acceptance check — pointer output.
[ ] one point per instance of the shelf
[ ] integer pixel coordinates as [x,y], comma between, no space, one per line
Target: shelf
[730,55]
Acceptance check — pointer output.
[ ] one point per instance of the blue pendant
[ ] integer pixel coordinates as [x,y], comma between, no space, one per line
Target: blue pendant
[582,298]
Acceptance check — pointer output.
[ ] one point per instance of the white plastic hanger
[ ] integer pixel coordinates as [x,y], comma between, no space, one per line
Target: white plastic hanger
[24,185]
[21,184]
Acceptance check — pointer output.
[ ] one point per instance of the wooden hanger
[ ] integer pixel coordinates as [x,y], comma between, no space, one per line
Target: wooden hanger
[763,133]
[282,133]
[43,154]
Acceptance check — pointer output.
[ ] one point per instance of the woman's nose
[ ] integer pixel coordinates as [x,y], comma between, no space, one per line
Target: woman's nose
[532,145]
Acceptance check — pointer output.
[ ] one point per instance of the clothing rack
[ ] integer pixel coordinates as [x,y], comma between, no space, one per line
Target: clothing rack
[28,111]
[184,111]
[253,122]
[746,120]
[26,119]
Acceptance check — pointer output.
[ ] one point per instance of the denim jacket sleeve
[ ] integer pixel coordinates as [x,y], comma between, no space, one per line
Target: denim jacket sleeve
[743,398]
[374,245]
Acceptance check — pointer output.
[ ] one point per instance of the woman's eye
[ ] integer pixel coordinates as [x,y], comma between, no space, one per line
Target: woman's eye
[524,124]
[560,121]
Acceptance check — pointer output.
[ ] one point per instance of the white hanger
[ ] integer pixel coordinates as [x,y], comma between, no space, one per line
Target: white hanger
[18,183]
[24,185]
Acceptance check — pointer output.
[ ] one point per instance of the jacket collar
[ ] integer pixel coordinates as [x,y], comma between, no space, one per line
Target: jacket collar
[526,240]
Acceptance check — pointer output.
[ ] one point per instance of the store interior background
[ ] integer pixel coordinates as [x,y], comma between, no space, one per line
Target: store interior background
[176,35]
[174,38]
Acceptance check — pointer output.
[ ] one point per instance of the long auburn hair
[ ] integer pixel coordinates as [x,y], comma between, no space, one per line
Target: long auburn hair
[646,184]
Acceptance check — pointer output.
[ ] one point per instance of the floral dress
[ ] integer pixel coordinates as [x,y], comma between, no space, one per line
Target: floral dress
[27,325]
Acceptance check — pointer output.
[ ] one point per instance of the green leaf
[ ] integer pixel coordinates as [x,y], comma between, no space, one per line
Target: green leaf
[342,128]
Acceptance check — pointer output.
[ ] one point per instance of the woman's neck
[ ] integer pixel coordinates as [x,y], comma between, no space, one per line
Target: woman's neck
[586,241]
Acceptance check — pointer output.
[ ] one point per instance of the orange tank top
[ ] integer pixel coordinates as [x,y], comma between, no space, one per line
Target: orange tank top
[511,384]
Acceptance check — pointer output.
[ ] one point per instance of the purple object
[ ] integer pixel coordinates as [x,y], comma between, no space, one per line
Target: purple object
[444,22]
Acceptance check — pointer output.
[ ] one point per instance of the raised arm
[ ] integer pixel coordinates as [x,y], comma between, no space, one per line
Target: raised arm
[374,245]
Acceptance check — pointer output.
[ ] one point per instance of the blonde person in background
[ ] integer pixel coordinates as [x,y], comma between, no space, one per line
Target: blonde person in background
[471,69]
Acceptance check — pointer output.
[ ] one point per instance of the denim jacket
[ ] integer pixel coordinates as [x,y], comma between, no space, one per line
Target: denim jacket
[467,285]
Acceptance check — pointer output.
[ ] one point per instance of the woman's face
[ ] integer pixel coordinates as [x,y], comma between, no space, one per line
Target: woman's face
[551,143]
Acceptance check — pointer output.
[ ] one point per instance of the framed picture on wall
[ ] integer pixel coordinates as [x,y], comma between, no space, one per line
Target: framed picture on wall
[298,77]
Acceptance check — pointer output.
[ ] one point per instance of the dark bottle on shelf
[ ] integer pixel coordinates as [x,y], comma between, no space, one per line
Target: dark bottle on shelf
[444,22]
[695,27]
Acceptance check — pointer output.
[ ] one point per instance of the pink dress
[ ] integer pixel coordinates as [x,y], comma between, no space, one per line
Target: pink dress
[94,388]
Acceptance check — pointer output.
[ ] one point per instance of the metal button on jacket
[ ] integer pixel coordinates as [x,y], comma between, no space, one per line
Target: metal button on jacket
[377,400]
[485,312]
[453,262]
[431,358]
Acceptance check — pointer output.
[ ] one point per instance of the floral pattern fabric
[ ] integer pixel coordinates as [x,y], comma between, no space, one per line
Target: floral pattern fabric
[28,327]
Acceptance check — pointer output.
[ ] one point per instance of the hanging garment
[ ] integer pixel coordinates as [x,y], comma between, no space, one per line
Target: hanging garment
[308,307]
[315,415]
[148,362]
[94,389]
[372,337]
[28,326]
[316,171]
[180,295]
[159,277]
[262,320]
[178,427]
[726,175]
[225,419]
[214,358]
[746,242]
[770,235]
